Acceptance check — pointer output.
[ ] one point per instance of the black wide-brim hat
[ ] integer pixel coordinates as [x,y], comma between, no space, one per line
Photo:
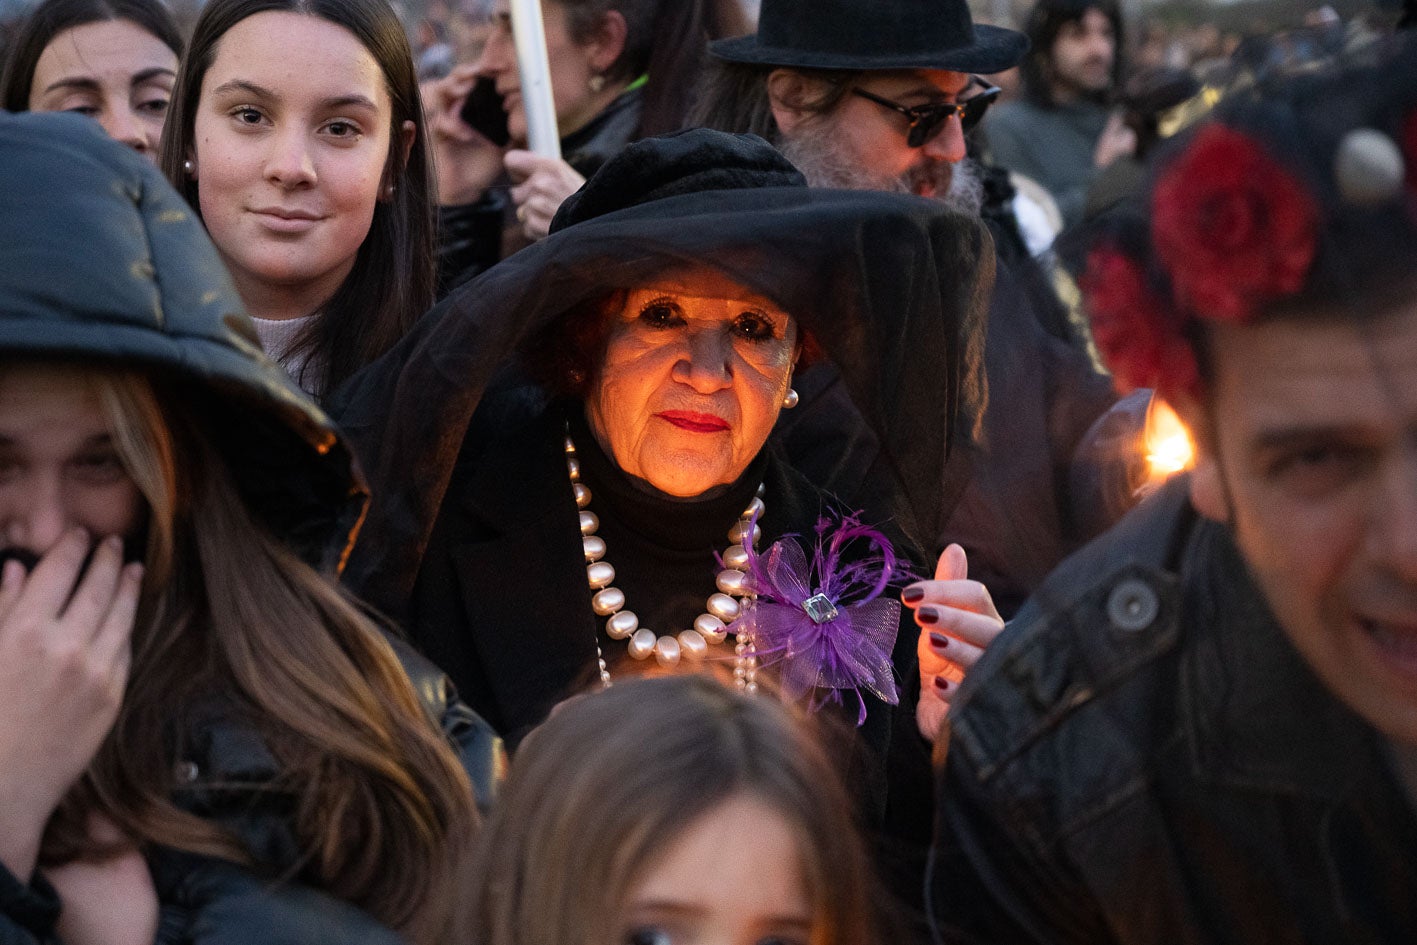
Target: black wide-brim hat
[102,262]
[863,35]
[893,288]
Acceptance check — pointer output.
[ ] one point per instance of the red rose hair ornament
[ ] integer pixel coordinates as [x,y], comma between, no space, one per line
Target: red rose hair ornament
[1232,227]
[1139,339]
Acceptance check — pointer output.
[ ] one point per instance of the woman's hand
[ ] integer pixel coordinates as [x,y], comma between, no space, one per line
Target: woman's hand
[465,163]
[542,184]
[112,902]
[958,620]
[64,655]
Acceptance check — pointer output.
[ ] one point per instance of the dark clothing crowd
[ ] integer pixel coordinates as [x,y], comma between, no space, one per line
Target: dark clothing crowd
[686,472]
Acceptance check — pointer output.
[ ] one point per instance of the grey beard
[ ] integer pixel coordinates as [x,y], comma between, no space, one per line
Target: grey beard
[811,150]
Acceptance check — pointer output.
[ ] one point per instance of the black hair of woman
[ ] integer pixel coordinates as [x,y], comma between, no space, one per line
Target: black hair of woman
[392,280]
[602,791]
[665,41]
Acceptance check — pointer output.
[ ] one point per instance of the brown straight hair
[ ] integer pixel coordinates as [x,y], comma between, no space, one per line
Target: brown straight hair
[383,812]
[393,279]
[608,781]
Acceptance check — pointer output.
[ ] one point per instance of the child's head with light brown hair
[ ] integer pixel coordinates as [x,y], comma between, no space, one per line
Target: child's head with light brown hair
[619,788]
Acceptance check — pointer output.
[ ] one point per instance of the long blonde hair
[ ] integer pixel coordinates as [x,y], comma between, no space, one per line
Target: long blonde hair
[382,810]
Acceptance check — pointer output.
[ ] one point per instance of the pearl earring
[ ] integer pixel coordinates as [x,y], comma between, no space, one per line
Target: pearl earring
[791,400]
[597,82]
[188,168]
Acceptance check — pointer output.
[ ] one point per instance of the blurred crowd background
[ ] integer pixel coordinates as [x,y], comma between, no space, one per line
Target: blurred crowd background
[1207,38]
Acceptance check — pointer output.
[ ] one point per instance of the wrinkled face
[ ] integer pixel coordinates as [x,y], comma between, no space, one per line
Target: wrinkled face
[59,468]
[115,72]
[695,892]
[571,70]
[694,376]
[1081,61]
[1315,426]
[871,138]
[291,144]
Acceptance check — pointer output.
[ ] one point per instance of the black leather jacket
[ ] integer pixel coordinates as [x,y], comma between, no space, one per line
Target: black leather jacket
[1143,757]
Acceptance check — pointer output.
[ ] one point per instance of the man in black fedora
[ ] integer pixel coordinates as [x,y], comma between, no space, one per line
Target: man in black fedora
[879,95]
[866,95]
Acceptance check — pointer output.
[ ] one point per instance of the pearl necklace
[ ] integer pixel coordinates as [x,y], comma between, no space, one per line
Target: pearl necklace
[710,627]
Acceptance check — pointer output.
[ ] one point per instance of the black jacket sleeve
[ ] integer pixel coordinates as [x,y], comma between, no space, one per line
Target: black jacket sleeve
[206,901]
[27,913]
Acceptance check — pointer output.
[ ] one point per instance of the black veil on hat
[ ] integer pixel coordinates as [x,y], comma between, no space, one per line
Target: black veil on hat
[101,261]
[862,35]
[894,288]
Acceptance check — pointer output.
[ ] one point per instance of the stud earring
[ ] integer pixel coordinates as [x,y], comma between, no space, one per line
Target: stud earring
[188,168]
[791,400]
[389,192]
[596,83]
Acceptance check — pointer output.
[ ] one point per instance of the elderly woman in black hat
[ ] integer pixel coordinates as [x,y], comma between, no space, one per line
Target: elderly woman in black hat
[609,502]
[201,737]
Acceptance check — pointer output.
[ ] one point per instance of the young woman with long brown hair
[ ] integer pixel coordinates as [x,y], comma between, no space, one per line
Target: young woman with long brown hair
[212,733]
[297,133]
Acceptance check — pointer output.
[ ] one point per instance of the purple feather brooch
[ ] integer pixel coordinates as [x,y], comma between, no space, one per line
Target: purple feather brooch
[824,623]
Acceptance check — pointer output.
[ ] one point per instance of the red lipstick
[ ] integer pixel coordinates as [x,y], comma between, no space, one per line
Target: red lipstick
[693,421]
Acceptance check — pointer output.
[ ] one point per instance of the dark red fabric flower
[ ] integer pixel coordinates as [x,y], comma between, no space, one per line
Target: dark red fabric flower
[1232,227]
[1138,338]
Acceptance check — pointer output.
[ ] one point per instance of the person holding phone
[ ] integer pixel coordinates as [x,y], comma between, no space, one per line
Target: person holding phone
[621,70]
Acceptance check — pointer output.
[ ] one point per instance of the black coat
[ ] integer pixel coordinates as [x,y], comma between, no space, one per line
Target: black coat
[501,601]
[1143,757]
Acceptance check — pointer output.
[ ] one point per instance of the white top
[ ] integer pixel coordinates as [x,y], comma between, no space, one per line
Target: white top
[278,336]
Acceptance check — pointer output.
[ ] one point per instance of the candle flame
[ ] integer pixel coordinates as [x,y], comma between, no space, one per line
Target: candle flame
[1168,444]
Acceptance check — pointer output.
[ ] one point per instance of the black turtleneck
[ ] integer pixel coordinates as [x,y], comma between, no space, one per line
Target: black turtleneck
[662,547]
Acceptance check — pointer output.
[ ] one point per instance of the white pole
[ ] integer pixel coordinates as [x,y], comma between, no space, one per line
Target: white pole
[529,34]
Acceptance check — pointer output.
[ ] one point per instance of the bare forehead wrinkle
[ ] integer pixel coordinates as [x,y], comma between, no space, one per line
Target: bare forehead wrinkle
[1324,374]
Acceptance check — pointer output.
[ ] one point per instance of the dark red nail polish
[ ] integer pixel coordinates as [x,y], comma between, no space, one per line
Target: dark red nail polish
[940,640]
[912,594]
[927,615]
[942,684]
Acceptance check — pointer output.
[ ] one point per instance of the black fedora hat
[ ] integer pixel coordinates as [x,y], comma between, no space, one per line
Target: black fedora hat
[874,34]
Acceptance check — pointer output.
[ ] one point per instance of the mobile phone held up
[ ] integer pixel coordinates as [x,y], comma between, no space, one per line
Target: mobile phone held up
[482,112]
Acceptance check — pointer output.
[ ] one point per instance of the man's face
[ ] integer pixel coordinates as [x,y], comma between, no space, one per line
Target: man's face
[1313,460]
[862,144]
[1082,56]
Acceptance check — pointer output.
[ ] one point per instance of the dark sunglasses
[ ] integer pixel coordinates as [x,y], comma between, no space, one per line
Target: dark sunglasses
[927,120]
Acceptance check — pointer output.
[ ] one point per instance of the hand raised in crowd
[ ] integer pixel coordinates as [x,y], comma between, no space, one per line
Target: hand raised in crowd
[465,163]
[542,184]
[957,620]
[64,657]
[1117,140]
[106,902]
